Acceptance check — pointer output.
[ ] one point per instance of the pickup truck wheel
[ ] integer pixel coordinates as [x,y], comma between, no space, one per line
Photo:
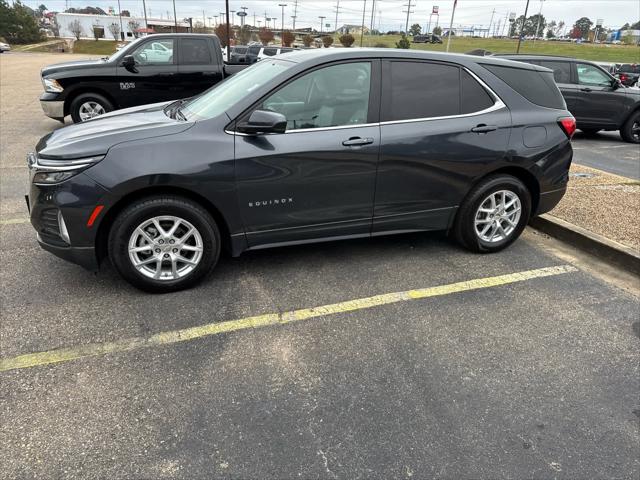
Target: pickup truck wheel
[164,243]
[630,131]
[89,105]
[493,215]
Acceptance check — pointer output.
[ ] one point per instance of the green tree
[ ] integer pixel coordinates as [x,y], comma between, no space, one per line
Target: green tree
[327,41]
[415,29]
[403,42]
[18,23]
[347,40]
[437,30]
[583,25]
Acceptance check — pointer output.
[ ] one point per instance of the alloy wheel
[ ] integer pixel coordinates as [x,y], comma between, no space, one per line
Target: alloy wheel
[90,110]
[165,248]
[498,216]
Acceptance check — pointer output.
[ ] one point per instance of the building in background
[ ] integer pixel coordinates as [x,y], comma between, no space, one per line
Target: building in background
[132,27]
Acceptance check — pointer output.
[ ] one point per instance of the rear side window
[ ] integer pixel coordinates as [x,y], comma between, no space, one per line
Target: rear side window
[537,87]
[422,90]
[561,70]
[270,52]
[474,97]
[628,68]
[195,51]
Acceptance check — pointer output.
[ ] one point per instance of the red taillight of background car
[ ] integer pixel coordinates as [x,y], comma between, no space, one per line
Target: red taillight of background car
[623,77]
[568,125]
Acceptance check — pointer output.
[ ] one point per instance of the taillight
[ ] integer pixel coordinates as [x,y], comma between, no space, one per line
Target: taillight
[623,77]
[568,125]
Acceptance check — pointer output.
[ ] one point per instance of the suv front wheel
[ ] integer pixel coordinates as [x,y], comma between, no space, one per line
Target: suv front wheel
[164,243]
[493,215]
[630,131]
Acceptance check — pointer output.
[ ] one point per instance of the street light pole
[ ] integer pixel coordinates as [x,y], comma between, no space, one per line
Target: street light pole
[539,20]
[321,17]
[282,23]
[524,19]
[364,10]
[120,15]
[175,17]
[455,2]
[144,7]
[226,7]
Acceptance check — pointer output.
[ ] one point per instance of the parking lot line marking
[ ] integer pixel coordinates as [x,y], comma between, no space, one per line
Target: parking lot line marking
[14,221]
[269,319]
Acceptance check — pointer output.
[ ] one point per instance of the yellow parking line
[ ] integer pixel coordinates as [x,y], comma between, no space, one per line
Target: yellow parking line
[14,221]
[174,336]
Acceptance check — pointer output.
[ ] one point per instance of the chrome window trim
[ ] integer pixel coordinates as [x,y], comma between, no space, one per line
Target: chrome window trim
[497,105]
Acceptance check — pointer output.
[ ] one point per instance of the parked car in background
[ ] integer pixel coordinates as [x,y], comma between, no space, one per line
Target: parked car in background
[4,47]
[151,69]
[629,74]
[312,146]
[430,38]
[596,98]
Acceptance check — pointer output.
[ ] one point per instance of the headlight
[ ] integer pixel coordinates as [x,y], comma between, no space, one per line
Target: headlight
[51,85]
[48,171]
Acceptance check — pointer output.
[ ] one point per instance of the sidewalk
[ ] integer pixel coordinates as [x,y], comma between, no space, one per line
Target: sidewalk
[606,204]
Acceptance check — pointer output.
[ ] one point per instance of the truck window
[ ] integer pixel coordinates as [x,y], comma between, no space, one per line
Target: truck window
[155,52]
[195,51]
[591,75]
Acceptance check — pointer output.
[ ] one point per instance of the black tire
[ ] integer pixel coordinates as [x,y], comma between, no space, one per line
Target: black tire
[590,132]
[74,108]
[464,231]
[163,205]
[627,131]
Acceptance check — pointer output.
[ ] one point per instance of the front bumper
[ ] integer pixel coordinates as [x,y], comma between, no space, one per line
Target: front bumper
[83,256]
[53,108]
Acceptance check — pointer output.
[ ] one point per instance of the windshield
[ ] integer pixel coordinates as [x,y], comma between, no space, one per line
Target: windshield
[221,97]
[126,48]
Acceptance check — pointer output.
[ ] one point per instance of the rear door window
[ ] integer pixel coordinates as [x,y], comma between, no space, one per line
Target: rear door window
[195,51]
[421,90]
[561,70]
[473,96]
[270,52]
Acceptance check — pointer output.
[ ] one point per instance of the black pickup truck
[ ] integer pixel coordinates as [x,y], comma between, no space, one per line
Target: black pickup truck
[151,69]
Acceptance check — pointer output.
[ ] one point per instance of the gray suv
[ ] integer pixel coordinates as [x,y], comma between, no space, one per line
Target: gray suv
[596,99]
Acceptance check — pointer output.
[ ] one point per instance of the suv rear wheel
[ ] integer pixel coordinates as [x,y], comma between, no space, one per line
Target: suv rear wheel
[164,243]
[89,105]
[493,215]
[630,131]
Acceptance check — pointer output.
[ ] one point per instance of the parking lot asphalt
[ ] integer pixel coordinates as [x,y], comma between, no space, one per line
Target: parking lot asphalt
[527,375]
[606,151]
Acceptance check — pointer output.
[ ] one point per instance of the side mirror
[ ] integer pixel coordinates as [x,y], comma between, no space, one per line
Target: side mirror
[128,62]
[263,121]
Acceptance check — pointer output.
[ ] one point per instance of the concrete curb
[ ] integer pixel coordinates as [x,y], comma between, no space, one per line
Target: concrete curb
[606,249]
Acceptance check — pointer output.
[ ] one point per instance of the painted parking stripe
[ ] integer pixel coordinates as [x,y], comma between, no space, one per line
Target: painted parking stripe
[14,221]
[270,319]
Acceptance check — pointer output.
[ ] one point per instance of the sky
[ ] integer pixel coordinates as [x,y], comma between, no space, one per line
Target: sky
[389,14]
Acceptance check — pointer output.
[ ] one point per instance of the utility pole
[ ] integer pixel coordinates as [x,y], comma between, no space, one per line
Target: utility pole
[539,20]
[321,17]
[295,14]
[373,14]
[408,5]
[226,7]
[455,2]
[282,24]
[175,17]
[364,11]
[144,7]
[524,19]
[491,22]
[120,15]
[506,19]
[337,10]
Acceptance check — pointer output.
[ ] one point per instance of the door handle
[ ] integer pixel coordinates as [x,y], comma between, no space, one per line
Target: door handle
[209,74]
[357,142]
[587,89]
[165,74]
[484,128]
